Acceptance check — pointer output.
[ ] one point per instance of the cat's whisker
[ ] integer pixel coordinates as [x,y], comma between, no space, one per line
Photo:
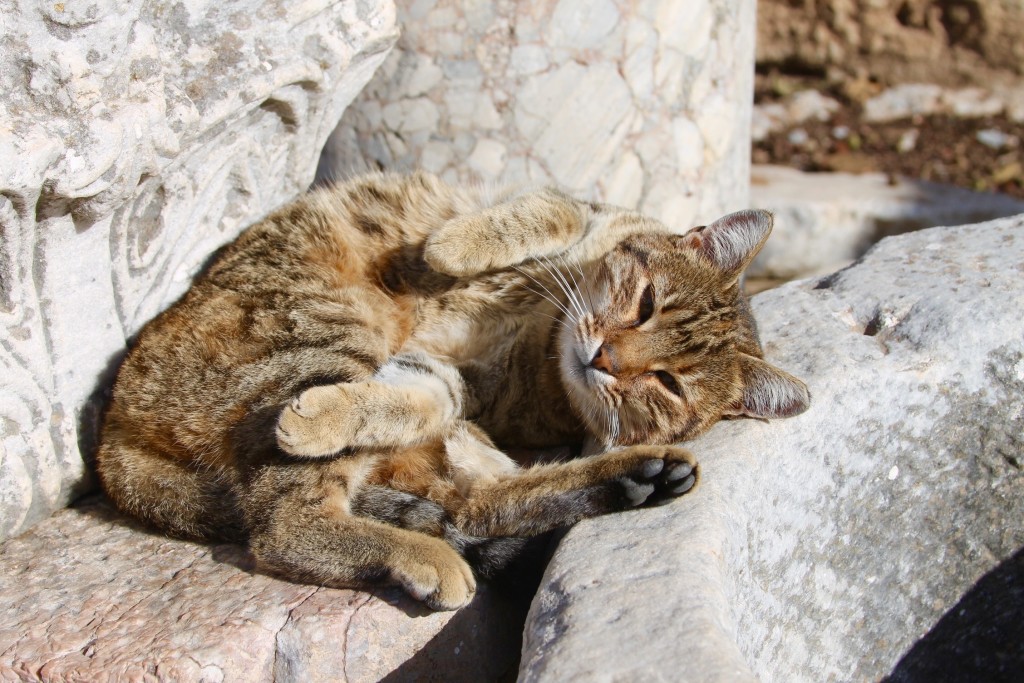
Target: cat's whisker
[576,285]
[560,321]
[561,282]
[570,291]
[550,295]
[586,283]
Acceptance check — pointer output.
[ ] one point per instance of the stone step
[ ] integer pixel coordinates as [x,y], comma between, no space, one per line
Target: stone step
[823,221]
[88,595]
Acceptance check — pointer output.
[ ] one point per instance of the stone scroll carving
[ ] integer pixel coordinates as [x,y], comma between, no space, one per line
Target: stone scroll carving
[645,105]
[135,138]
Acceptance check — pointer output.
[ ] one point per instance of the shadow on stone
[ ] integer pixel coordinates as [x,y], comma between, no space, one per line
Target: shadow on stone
[442,659]
[509,595]
[980,639]
[90,418]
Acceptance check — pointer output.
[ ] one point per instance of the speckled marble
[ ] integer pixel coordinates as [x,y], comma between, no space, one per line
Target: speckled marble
[646,105]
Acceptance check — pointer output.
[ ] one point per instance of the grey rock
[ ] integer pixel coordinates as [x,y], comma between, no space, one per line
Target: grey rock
[801,106]
[825,546]
[135,138]
[904,101]
[996,139]
[89,596]
[924,99]
[825,220]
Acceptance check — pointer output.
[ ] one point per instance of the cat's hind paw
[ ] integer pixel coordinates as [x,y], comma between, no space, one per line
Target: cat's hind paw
[432,572]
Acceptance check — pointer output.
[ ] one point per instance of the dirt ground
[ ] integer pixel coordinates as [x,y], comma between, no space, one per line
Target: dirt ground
[943,149]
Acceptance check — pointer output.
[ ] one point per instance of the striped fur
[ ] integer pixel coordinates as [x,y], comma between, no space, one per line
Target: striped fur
[339,386]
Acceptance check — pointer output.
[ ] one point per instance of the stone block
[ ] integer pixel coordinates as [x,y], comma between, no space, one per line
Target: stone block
[823,547]
[646,106]
[88,595]
[135,138]
[823,221]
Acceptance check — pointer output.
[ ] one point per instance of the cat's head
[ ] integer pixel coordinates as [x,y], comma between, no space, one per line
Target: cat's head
[662,344]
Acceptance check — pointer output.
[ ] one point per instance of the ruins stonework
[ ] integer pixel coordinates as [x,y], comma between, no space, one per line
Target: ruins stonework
[645,105]
[135,138]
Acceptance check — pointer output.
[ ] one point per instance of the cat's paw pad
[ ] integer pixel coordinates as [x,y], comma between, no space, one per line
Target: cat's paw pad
[437,576]
[314,423]
[656,478]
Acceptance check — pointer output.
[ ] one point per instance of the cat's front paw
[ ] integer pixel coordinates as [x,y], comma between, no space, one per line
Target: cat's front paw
[319,422]
[432,572]
[463,247]
[657,474]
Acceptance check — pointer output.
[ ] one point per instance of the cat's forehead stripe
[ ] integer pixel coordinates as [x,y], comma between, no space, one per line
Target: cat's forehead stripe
[639,254]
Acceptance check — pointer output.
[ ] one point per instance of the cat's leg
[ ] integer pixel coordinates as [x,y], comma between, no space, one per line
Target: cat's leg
[302,527]
[488,556]
[411,399]
[541,498]
[533,225]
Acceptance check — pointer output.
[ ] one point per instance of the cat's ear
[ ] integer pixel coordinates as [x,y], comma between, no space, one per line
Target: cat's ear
[769,392]
[732,241]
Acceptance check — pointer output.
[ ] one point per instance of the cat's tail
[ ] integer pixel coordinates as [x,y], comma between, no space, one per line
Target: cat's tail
[181,501]
[500,558]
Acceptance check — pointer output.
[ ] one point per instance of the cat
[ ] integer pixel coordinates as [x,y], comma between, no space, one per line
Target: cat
[336,387]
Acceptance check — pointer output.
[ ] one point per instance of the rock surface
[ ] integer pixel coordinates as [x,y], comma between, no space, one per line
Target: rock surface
[822,547]
[823,221]
[640,104]
[951,42]
[88,595]
[135,138]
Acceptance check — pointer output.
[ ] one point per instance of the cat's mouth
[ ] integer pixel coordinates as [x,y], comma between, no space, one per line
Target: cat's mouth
[597,378]
[577,366]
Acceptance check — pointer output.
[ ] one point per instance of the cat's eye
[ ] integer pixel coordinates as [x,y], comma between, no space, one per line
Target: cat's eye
[646,309]
[669,382]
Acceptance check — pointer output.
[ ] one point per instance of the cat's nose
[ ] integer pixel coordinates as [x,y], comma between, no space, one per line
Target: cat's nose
[604,359]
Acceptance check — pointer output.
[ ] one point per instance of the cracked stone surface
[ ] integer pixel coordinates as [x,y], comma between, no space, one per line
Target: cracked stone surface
[135,138]
[825,547]
[89,595]
[646,105]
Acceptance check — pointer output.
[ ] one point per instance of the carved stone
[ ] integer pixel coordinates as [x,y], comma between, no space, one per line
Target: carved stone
[135,138]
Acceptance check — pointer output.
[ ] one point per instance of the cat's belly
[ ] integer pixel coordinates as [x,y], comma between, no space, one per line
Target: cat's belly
[463,340]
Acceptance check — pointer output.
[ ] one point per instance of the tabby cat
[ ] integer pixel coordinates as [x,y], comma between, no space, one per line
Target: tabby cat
[335,387]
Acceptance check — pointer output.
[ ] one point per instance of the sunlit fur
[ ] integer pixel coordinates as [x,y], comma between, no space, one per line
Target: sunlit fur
[337,388]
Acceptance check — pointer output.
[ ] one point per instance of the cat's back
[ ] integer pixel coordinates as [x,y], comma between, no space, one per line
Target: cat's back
[300,298]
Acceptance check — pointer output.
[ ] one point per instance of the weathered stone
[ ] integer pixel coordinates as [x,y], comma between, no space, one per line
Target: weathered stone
[88,595]
[825,220]
[951,42]
[904,101]
[136,137]
[593,96]
[803,105]
[924,99]
[822,547]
